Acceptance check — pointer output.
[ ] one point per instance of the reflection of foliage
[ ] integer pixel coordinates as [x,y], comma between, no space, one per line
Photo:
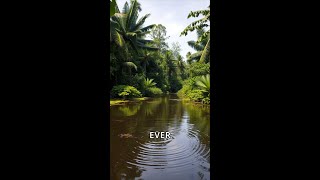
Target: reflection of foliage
[152,92]
[151,107]
[129,110]
[199,116]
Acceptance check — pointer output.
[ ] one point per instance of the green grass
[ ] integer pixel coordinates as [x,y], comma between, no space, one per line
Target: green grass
[121,101]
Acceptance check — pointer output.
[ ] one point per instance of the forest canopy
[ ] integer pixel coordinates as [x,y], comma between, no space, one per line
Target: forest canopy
[142,64]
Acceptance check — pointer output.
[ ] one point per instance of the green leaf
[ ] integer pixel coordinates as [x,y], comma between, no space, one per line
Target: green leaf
[206,53]
[112,7]
[131,65]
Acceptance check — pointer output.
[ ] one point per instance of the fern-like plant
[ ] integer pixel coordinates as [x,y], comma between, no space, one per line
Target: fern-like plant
[148,83]
[204,83]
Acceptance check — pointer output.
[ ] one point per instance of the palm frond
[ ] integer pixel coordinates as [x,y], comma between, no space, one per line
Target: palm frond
[205,57]
[197,13]
[130,65]
[199,24]
[195,56]
[146,47]
[119,19]
[200,32]
[125,9]
[117,38]
[147,27]
[140,22]
[132,14]
[148,83]
[204,83]
[196,46]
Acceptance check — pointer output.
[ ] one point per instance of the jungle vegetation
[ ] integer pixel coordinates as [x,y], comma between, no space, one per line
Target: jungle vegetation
[143,65]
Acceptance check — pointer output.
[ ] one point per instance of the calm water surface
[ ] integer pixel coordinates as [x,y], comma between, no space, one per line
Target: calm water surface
[185,156]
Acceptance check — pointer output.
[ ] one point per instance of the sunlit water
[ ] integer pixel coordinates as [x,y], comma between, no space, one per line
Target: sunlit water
[185,156]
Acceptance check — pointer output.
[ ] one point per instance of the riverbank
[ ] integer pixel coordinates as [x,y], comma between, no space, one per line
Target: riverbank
[121,101]
[188,100]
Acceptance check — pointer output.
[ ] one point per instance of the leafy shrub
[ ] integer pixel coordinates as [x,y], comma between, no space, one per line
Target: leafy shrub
[188,85]
[199,69]
[132,80]
[184,91]
[196,95]
[196,89]
[124,91]
[206,100]
[153,91]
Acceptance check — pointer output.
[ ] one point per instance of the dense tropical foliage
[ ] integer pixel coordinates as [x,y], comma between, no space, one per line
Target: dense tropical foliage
[142,63]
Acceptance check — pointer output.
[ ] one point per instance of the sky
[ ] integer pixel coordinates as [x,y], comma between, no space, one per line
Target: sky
[173,15]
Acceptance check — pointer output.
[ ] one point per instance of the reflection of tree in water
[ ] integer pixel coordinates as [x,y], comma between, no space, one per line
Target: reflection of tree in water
[123,121]
[138,120]
[130,110]
[199,116]
[150,106]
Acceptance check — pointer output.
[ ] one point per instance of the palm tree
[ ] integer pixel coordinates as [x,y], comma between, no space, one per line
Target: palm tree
[170,63]
[198,46]
[127,29]
[130,65]
[203,83]
[145,58]
[188,59]
[181,66]
[200,24]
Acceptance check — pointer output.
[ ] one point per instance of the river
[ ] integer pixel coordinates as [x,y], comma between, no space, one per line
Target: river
[185,156]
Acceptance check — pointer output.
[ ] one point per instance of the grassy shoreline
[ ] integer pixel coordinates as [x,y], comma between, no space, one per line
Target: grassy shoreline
[193,102]
[122,101]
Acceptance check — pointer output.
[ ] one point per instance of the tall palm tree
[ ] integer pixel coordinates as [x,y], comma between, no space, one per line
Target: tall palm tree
[145,58]
[198,46]
[199,24]
[127,29]
[127,32]
[181,66]
[170,63]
